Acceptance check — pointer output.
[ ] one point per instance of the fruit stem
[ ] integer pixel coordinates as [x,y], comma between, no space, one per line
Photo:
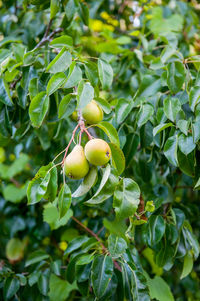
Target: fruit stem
[72,138]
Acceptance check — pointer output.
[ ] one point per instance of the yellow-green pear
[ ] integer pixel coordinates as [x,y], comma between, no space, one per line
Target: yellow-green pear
[14,250]
[92,113]
[76,166]
[97,152]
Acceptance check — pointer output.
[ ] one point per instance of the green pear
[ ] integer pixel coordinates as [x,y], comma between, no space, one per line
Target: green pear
[14,250]
[76,166]
[92,113]
[97,152]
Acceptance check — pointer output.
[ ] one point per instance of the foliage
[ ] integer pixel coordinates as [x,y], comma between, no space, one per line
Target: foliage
[129,230]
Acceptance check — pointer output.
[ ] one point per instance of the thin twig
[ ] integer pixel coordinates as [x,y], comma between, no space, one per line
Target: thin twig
[48,38]
[17,184]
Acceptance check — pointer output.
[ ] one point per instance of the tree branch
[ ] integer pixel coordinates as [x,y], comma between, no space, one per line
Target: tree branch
[47,37]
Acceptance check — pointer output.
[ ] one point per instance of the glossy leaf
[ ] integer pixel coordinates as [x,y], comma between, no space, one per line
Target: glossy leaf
[175,76]
[87,184]
[55,82]
[38,109]
[85,94]
[105,73]
[117,157]
[116,245]
[64,200]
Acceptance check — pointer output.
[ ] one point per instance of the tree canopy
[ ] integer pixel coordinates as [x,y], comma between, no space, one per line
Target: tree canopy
[128,230]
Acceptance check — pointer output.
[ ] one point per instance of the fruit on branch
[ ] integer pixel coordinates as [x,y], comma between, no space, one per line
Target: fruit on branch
[14,250]
[76,166]
[97,152]
[92,113]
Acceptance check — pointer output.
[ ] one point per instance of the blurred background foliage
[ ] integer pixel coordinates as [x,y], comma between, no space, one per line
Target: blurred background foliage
[152,101]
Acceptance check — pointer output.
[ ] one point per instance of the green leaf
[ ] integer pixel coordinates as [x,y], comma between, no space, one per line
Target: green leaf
[110,131]
[117,157]
[187,265]
[10,287]
[170,150]
[5,93]
[61,62]
[159,289]
[172,107]
[85,259]
[7,172]
[70,9]
[122,109]
[66,106]
[116,245]
[91,72]
[88,182]
[101,274]
[85,94]
[74,76]
[14,194]
[117,227]
[62,41]
[38,109]
[150,86]
[55,82]
[146,111]
[194,97]
[106,174]
[75,244]
[37,188]
[35,257]
[104,105]
[175,76]
[159,128]
[64,200]
[105,74]
[156,229]
[186,144]
[126,198]
[183,125]
[43,284]
[59,289]
[54,8]
[135,286]
[107,190]
[186,163]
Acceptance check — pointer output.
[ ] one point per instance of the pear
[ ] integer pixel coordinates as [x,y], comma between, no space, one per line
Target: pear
[76,166]
[14,250]
[97,152]
[92,113]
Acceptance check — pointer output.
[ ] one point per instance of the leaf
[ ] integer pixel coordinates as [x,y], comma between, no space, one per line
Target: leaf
[183,125]
[70,9]
[75,244]
[55,82]
[37,188]
[10,287]
[146,111]
[85,94]
[186,163]
[122,109]
[43,284]
[107,190]
[5,93]
[186,144]
[74,76]
[91,72]
[116,245]
[187,265]
[103,104]
[62,41]
[150,86]
[175,76]
[194,97]
[66,106]
[22,90]
[38,109]
[101,274]
[117,157]
[134,283]
[106,174]
[156,229]
[61,62]
[35,257]
[14,194]
[126,198]
[161,127]
[172,106]
[170,150]
[159,289]
[88,182]
[64,200]
[105,74]
[59,289]
[54,8]
[110,131]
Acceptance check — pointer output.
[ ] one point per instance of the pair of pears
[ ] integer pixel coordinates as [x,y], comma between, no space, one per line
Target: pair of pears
[96,151]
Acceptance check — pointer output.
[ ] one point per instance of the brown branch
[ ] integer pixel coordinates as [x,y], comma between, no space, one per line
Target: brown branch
[46,37]
[105,250]
[17,184]
[141,208]
[13,84]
